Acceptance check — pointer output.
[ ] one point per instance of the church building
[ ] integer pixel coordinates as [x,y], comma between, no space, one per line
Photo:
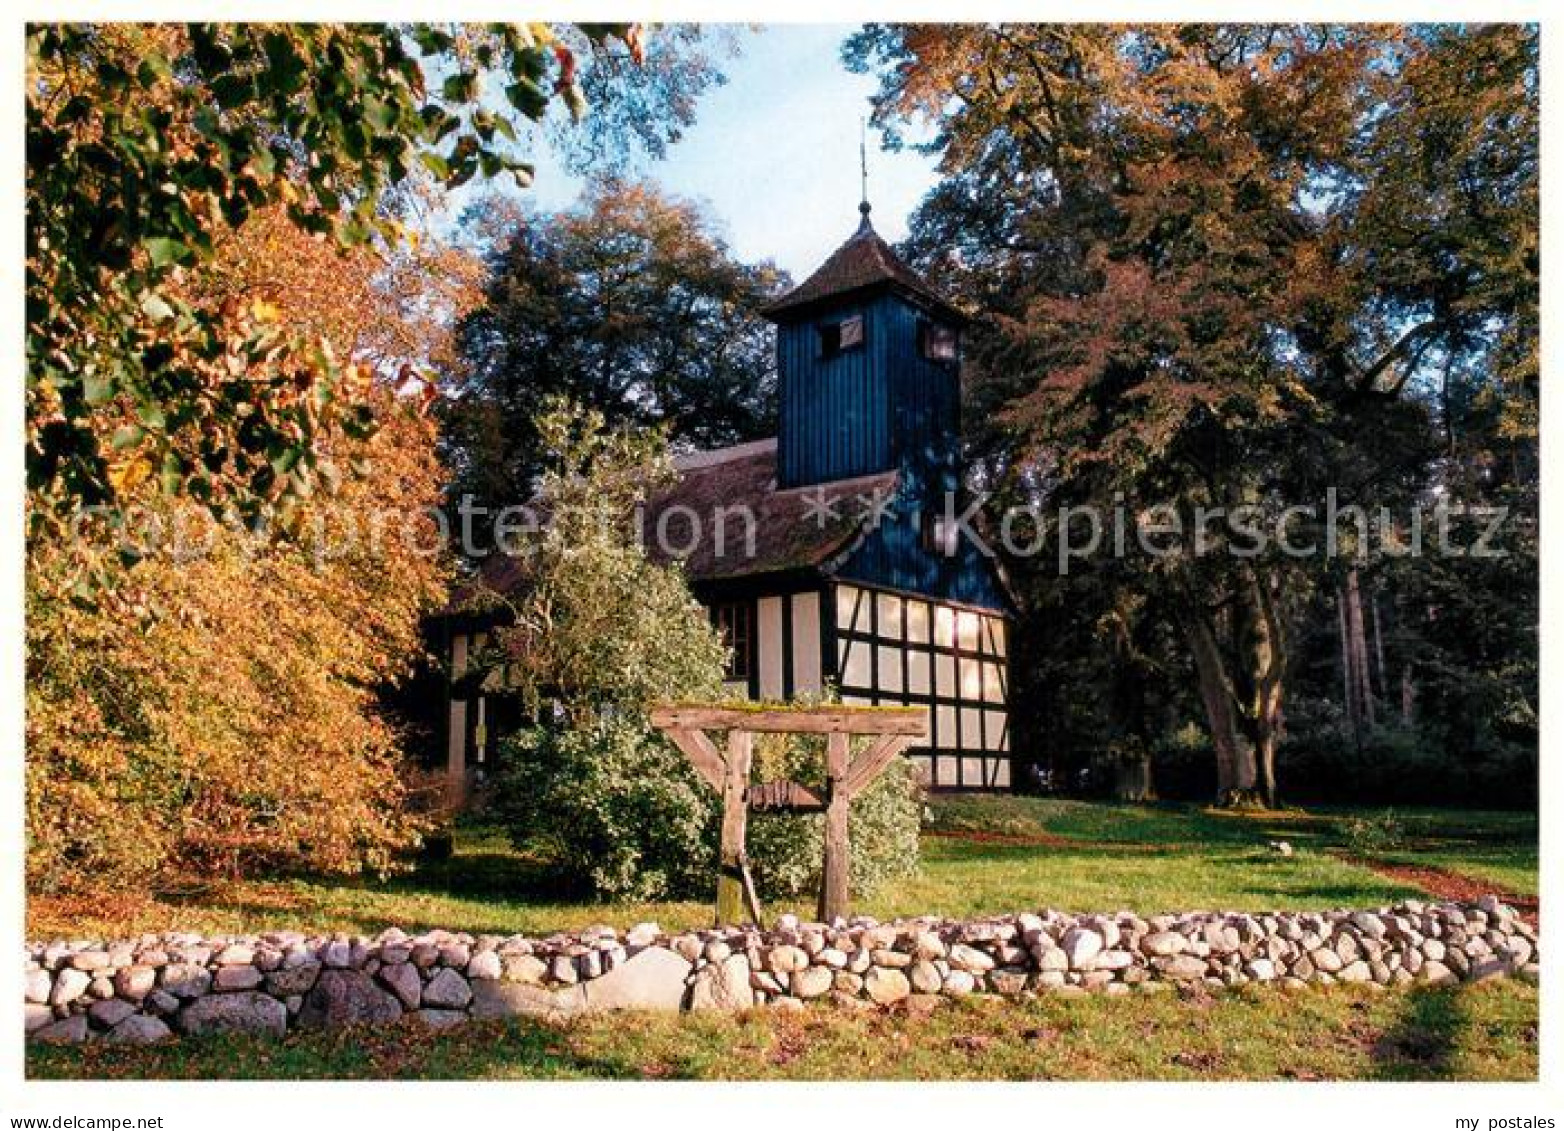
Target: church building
[827,555]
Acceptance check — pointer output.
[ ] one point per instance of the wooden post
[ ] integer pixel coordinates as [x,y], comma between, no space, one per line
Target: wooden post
[735,780]
[837,862]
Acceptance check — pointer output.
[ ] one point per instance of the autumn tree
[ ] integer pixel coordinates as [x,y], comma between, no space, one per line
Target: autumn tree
[148,144]
[630,304]
[1201,294]
[216,709]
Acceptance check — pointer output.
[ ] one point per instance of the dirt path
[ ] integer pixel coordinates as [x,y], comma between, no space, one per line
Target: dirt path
[1445,884]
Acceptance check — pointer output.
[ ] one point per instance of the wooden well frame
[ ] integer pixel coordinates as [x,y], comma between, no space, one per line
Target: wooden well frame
[726,766]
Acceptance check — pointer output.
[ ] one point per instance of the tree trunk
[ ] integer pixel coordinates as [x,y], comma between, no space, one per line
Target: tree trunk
[1235,769]
[1406,695]
[1359,649]
[1349,699]
[1379,649]
[1132,777]
[1264,659]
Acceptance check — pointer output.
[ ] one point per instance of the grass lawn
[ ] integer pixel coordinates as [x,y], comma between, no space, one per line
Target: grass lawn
[981,854]
[1482,1032]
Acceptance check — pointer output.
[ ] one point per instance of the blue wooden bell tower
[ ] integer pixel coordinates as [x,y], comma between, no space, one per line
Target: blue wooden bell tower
[869,370]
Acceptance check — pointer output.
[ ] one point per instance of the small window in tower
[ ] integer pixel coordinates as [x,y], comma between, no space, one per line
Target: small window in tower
[735,624]
[835,337]
[937,343]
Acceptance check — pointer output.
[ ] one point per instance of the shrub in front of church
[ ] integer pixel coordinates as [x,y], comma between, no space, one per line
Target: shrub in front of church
[785,848]
[616,810]
[599,631]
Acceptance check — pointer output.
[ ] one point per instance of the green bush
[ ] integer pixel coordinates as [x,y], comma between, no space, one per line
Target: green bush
[621,815]
[785,848]
[1374,835]
[619,811]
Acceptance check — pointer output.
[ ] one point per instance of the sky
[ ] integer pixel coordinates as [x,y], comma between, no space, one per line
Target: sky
[774,153]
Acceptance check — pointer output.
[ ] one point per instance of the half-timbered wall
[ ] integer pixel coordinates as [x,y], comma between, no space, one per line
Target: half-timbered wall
[787,642]
[895,648]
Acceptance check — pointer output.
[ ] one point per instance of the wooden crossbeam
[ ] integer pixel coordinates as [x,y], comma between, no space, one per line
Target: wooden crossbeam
[868,765]
[817,720]
[702,753]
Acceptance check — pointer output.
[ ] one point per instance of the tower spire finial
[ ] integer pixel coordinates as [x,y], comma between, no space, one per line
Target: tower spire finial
[863,173]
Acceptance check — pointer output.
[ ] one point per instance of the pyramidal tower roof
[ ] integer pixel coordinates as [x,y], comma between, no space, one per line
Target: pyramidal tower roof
[864,263]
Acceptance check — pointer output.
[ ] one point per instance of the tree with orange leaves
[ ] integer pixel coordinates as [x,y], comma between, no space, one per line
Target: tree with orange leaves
[1219,265]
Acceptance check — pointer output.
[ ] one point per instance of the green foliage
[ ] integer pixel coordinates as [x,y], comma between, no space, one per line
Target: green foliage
[1374,835]
[785,848]
[599,633]
[619,812]
[145,145]
[629,302]
[1237,265]
[596,624]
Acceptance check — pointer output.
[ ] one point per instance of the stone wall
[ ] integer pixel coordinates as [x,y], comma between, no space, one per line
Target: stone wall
[158,985]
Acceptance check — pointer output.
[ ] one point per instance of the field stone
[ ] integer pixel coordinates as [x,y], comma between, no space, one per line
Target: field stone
[642,934]
[35,1015]
[70,1030]
[1164,944]
[110,1012]
[811,982]
[959,983]
[970,959]
[925,977]
[723,985]
[293,979]
[886,985]
[511,999]
[37,986]
[345,997]
[526,969]
[244,1012]
[161,1002]
[786,959]
[1326,960]
[238,977]
[485,964]
[447,990]
[1081,945]
[652,978]
[402,979]
[135,982]
[1182,967]
[69,984]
